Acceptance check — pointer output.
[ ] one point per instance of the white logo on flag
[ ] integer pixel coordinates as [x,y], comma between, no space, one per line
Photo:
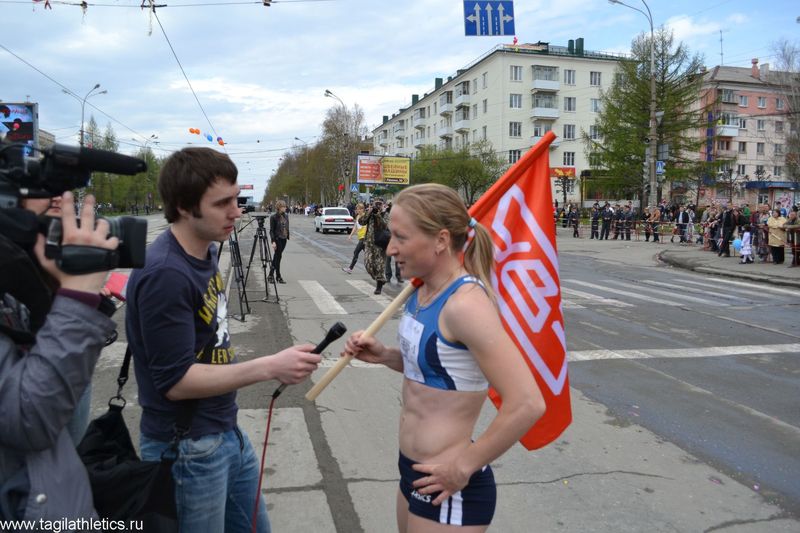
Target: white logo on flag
[525,270]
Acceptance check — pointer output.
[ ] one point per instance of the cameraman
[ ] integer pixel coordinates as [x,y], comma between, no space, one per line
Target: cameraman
[49,345]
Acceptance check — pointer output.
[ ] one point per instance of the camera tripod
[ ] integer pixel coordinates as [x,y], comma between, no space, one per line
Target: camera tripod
[261,241]
[238,271]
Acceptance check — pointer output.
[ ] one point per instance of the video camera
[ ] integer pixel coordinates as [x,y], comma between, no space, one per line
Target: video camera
[242,201]
[63,168]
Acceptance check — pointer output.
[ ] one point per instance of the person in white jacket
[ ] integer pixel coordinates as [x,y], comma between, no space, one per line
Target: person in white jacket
[747,249]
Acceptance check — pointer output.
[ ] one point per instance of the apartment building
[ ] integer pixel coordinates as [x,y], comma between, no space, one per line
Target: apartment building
[511,96]
[748,130]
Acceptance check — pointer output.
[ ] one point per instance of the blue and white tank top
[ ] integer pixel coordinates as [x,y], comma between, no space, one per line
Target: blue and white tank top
[427,356]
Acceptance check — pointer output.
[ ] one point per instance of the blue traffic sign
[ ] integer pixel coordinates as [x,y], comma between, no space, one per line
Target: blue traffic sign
[488,18]
[660,167]
[354,188]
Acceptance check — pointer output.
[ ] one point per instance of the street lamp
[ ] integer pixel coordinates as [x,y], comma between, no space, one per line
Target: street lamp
[83,104]
[653,197]
[343,163]
[305,170]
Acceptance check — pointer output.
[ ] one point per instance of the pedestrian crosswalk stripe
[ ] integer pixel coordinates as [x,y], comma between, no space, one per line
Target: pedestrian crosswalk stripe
[568,304]
[718,289]
[595,298]
[667,294]
[762,287]
[664,353]
[368,289]
[618,292]
[706,290]
[324,300]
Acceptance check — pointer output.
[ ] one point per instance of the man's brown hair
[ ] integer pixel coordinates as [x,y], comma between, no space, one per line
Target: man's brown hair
[187,174]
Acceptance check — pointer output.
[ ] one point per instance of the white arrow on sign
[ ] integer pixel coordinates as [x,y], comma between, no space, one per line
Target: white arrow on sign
[503,18]
[476,18]
[491,23]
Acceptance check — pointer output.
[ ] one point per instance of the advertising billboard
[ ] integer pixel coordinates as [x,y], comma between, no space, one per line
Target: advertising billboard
[386,170]
[19,123]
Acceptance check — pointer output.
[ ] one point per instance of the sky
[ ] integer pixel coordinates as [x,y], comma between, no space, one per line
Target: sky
[260,73]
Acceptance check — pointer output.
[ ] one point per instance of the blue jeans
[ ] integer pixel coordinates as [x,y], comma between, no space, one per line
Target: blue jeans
[216,479]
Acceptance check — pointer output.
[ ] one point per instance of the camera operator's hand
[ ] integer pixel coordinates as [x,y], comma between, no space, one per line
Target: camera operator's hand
[85,235]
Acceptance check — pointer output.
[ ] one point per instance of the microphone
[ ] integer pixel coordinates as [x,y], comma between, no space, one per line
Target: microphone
[94,160]
[336,331]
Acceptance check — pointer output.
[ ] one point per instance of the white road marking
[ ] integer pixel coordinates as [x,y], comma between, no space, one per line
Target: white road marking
[761,287]
[667,294]
[324,300]
[706,290]
[367,288]
[667,353]
[567,304]
[648,299]
[717,291]
[594,297]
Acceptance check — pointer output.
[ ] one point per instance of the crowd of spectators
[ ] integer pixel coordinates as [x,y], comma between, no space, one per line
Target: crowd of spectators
[762,233]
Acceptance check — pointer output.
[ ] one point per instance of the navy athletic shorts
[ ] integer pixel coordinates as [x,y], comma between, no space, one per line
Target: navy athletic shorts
[471,506]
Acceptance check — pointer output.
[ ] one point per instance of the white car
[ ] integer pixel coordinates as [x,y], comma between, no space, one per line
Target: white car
[333,219]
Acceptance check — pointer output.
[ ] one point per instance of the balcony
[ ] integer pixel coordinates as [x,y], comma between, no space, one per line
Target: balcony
[545,113]
[535,139]
[418,123]
[461,124]
[420,143]
[446,132]
[399,131]
[446,108]
[726,154]
[728,130]
[546,85]
[462,99]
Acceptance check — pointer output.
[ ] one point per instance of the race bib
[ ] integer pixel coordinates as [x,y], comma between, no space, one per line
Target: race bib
[409,336]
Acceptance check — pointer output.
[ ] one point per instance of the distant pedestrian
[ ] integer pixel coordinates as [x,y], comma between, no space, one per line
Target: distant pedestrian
[375,256]
[359,230]
[777,236]
[747,248]
[279,234]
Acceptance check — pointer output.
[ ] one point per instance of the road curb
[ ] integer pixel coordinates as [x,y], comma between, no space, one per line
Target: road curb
[665,257]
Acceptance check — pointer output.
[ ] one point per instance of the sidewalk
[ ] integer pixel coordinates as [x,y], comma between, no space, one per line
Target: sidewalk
[689,257]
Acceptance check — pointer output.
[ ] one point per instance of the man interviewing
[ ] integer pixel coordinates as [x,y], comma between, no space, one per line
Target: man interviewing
[178,332]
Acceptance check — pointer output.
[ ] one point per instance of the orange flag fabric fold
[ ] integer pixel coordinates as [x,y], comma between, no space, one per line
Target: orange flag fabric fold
[518,212]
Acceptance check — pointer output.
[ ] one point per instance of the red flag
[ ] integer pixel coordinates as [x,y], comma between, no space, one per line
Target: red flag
[517,211]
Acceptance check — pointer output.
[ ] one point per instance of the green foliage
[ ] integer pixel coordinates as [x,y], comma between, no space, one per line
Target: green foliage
[623,123]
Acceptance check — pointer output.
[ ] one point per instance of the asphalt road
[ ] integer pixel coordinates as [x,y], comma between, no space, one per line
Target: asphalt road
[684,387]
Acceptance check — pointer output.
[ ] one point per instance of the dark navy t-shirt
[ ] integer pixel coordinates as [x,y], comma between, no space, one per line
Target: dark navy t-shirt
[174,305]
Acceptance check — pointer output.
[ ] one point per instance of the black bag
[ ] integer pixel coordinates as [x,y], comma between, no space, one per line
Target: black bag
[381,238]
[123,486]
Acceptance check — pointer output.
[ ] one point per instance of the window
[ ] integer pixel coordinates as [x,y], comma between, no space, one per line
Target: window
[545,100]
[594,105]
[594,79]
[778,103]
[742,123]
[515,129]
[761,124]
[515,101]
[513,156]
[569,131]
[569,103]
[485,104]
[594,132]
[569,77]
[569,159]
[763,198]
[475,134]
[484,79]
[516,73]
[540,128]
[475,86]
[619,78]
[742,101]
[778,126]
[760,171]
[762,101]
[723,145]
[483,133]
[777,171]
[726,95]
[595,160]
[778,149]
[741,170]
[742,148]
[545,73]
[760,148]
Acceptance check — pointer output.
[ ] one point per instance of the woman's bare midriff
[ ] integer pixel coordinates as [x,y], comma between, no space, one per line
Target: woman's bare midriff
[435,424]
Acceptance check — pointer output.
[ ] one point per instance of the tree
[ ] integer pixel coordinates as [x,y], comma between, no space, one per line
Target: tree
[618,148]
[342,131]
[787,61]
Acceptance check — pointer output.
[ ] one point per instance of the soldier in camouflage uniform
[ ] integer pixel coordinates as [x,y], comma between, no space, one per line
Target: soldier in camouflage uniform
[374,256]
